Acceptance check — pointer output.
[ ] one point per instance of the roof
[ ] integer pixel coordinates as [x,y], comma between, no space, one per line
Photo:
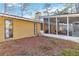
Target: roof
[64,15]
[18,17]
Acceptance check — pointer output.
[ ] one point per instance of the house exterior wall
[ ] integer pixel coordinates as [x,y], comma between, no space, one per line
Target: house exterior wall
[38,27]
[45,27]
[53,28]
[21,28]
[1,29]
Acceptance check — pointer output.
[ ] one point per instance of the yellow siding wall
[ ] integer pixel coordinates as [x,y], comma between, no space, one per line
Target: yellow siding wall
[38,28]
[1,29]
[21,28]
[45,27]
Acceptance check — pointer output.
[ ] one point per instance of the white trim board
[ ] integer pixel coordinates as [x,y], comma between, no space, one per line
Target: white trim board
[18,17]
[75,39]
[64,15]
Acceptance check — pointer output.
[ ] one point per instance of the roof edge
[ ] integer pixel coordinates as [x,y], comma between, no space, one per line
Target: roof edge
[64,15]
[17,17]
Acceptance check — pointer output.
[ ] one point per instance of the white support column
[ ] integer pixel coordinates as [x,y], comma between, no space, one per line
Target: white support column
[49,25]
[67,26]
[72,28]
[56,26]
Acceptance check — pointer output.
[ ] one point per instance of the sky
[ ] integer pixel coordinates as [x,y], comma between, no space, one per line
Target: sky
[30,9]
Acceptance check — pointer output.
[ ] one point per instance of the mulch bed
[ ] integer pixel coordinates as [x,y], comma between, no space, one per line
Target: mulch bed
[34,46]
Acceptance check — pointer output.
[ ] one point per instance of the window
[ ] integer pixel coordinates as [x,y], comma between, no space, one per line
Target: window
[8,29]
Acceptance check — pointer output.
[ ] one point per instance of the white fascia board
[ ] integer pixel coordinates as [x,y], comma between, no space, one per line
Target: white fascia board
[17,17]
[67,15]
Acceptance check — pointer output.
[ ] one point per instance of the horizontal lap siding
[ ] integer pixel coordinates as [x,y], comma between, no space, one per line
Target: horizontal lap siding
[1,29]
[38,28]
[22,29]
[45,27]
